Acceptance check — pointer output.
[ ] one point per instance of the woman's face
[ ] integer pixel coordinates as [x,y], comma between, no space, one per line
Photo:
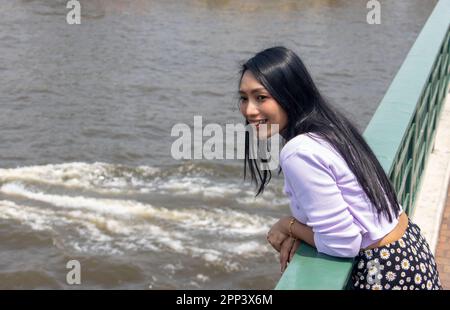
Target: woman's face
[258,106]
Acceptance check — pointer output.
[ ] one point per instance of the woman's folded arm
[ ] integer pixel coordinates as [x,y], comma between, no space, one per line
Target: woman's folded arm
[315,190]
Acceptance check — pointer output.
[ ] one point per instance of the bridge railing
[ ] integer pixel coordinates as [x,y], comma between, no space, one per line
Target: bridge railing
[401,134]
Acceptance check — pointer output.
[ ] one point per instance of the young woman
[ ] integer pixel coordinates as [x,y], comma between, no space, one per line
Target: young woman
[341,200]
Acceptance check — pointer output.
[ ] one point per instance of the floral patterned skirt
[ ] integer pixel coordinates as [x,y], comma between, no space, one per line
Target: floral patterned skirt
[406,264]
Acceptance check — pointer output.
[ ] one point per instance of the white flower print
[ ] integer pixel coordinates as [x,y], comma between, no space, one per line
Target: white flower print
[368,254]
[403,274]
[384,254]
[405,264]
[417,278]
[401,243]
[361,264]
[413,249]
[387,286]
[377,287]
[429,285]
[411,287]
[388,263]
[423,268]
[390,276]
[397,267]
[408,279]
[399,250]
[373,270]
[392,251]
[396,288]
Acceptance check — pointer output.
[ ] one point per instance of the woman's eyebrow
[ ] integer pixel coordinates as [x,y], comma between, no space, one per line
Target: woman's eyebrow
[253,91]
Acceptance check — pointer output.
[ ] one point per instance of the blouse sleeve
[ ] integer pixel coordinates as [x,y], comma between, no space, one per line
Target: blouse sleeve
[315,190]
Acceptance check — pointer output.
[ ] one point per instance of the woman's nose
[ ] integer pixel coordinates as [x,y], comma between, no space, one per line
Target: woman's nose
[250,110]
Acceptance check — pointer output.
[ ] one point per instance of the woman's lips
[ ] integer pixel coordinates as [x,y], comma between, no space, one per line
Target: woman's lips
[264,123]
[258,122]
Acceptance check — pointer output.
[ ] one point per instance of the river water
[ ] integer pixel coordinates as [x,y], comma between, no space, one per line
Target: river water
[86,113]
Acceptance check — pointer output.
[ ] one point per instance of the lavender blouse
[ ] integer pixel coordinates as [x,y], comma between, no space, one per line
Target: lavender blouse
[326,196]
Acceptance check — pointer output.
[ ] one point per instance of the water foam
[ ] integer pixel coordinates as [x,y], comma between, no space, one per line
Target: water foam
[186,180]
[115,227]
[101,177]
[216,220]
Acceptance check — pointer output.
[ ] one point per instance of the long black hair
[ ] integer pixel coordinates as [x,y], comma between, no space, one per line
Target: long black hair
[287,80]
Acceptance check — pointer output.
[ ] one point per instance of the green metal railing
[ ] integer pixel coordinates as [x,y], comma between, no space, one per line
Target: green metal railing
[401,134]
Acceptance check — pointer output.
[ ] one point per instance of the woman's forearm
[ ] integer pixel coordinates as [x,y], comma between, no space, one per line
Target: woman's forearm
[303,232]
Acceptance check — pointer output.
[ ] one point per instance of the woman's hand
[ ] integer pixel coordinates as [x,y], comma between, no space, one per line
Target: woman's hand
[279,232]
[281,241]
[288,249]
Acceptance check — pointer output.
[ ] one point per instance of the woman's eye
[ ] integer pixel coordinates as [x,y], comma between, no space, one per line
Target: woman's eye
[242,99]
[261,98]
